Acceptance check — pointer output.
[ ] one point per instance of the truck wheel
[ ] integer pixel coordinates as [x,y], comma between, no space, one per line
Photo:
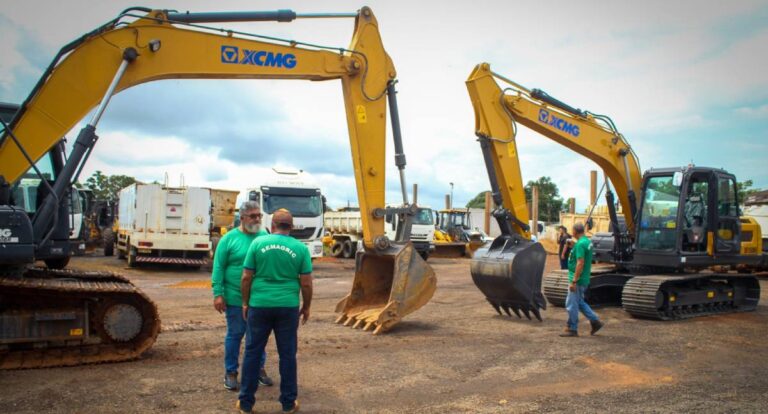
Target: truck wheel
[132,257]
[57,263]
[337,248]
[424,255]
[349,249]
[108,236]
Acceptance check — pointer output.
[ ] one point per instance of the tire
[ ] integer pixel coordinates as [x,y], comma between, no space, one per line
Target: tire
[109,241]
[424,255]
[348,249]
[337,248]
[57,263]
[132,257]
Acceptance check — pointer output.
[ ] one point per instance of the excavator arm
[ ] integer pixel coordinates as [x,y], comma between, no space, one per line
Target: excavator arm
[497,113]
[509,271]
[167,47]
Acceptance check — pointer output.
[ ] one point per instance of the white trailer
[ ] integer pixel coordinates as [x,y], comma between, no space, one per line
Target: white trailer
[160,224]
[296,191]
[346,229]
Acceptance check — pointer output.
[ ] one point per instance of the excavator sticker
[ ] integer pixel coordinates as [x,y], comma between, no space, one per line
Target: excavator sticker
[5,236]
[548,119]
[231,54]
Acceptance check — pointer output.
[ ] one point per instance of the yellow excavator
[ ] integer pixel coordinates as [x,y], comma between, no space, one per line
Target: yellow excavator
[677,221]
[68,317]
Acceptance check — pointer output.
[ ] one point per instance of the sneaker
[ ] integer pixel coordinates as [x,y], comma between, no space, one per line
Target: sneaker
[241,411]
[264,378]
[596,326]
[230,381]
[293,409]
[568,333]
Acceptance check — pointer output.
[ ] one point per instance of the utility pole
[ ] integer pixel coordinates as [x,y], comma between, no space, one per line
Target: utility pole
[451,205]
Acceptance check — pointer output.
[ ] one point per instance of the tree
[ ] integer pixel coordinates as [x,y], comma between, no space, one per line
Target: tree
[550,202]
[478,201]
[107,187]
[745,190]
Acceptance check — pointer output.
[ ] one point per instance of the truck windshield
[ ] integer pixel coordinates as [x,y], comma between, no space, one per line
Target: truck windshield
[423,216]
[658,220]
[298,205]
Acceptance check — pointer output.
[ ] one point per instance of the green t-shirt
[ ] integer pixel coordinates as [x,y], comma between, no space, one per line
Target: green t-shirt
[277,261]
[581,250]
[228,265]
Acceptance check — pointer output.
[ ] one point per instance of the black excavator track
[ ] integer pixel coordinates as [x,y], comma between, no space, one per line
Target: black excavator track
[662,297]
[604,287]
[103,316]
[672,297]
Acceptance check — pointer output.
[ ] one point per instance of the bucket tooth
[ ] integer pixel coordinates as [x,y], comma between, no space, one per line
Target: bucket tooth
[388,285]
[341,318]
[506,309]
[496,306]
[536,313]
[517,312]
[525,311]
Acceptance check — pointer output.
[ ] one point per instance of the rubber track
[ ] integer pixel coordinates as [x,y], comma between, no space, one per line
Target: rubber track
[87,285]
[639,299]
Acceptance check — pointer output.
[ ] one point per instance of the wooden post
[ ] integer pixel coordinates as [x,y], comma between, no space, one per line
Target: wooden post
[415,194]
[487,213]
[592,187]
[572,205]
[535,211]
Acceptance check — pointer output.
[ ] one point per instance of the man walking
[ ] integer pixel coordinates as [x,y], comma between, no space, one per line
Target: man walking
[579,271]
[275,269]
[225,280]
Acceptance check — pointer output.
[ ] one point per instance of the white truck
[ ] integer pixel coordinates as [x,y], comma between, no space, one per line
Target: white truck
[296,191]
[346,229]
[168,225]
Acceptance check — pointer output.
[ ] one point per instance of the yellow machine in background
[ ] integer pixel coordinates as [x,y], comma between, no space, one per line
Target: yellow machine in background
[143,45]
[454,235]
[677,221]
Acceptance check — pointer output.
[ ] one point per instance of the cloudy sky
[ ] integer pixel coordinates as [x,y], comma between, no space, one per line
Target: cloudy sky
[684,81]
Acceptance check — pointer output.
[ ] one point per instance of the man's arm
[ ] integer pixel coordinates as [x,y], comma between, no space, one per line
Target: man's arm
[306,296]
[245,289]
[579,269]
[217,275]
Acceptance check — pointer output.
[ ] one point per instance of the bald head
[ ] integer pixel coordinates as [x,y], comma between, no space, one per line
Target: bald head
[282,221]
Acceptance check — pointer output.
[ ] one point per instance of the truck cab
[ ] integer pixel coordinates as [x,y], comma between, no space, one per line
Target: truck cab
[296,191]
[422,230]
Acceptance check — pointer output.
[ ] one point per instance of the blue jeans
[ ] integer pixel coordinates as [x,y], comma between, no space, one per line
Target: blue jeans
[574,303]
[236,329]
[564,263]
[261,322]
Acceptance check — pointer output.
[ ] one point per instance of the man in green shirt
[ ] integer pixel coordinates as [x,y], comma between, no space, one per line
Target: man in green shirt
[579,271]
[276,268]
[225,280]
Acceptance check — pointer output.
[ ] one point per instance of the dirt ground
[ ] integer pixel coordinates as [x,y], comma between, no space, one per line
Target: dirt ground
[454,355]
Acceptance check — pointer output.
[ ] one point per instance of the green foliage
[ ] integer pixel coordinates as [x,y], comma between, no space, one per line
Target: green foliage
[107,187]
[550,202]
[478,201]
[745,190]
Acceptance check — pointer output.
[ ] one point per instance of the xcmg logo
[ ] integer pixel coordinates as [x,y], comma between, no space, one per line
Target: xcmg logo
[232,54]
[549,119]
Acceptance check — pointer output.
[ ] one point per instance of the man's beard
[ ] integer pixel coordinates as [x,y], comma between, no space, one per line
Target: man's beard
[252,228]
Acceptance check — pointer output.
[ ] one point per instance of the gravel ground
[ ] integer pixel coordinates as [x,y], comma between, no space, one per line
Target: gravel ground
[454,355]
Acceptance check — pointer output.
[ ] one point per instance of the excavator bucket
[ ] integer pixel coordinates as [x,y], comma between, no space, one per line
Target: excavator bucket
[509,274]
[387,286]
